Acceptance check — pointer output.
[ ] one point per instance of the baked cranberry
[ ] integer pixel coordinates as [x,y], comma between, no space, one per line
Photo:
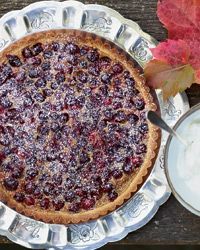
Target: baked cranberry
[72,59]
[108,113]
[133,92]
[58,106]
[51,155]
[46,66]
[6,152]
[45,203]
[84,157]
[107,187]
[59,67]
[130,82]
[72,48]
[117,105]
[68,69]
[142,148]
[106,174]
[44,177]
[94,70]
[21,76]
[38,192]
[55,46]
[93,55]
[95,191]
[4,140]
[34,61]
[37,49]
[18,172]
[43,129]
[29,200]
[143,128]
[119,93]
[58,204]
[120,116]
[48,188]
[47,92]
[57,191]
[64,117]
[128,167]
[117,82]
[6,72]
[117,68]
[74,207]
[133,119]
[14,60]
[136,161]
[31,173]
[139,104]
[10,183]
[87,203]
[69,196]
[84,50]
[136,139]
[57,179]
[104,61]
[106,78]
[83,64]
[39,97]
[19,197]
[69,183]
[28,101]
[43,116]
[107,101]
[34,73]
[82,77]
[40,83]
[112,195]
[30,188]
[80,192]
[60,77]
[5,102]
[54,85]
[70,100]
[117,174]
[27,52]
[55,126]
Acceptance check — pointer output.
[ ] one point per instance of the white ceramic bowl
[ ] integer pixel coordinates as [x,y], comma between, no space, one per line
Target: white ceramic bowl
[174,160]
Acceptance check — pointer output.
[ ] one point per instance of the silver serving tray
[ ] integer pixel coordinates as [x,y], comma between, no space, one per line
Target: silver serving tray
[143,206]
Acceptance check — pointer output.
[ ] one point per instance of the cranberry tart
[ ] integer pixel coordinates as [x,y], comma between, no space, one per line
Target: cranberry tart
[75,143]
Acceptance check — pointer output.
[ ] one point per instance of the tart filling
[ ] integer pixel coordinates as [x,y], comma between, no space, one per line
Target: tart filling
[73,130]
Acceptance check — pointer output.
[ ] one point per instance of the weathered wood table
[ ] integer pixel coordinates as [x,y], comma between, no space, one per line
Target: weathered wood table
[172,224]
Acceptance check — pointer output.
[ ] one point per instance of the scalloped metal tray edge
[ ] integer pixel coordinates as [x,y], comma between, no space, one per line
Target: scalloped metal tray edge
[155,191]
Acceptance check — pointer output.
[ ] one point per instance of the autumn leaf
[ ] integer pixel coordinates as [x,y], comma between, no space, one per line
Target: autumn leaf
[171,80]
[180,17]
[175,53]
[176,62]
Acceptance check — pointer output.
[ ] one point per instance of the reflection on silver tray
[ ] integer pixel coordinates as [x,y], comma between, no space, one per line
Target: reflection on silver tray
[143,206]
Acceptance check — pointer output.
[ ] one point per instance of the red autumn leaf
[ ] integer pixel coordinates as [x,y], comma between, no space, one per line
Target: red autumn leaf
[180,17]
[176,64]
[175,53]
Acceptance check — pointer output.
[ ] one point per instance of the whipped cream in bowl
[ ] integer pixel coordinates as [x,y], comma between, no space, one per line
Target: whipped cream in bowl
[182,162]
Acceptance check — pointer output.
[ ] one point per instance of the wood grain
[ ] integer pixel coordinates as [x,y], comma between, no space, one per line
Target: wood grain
[172,224]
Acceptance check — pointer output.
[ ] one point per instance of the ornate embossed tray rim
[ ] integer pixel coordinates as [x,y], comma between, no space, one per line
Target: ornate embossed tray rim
[143,206]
